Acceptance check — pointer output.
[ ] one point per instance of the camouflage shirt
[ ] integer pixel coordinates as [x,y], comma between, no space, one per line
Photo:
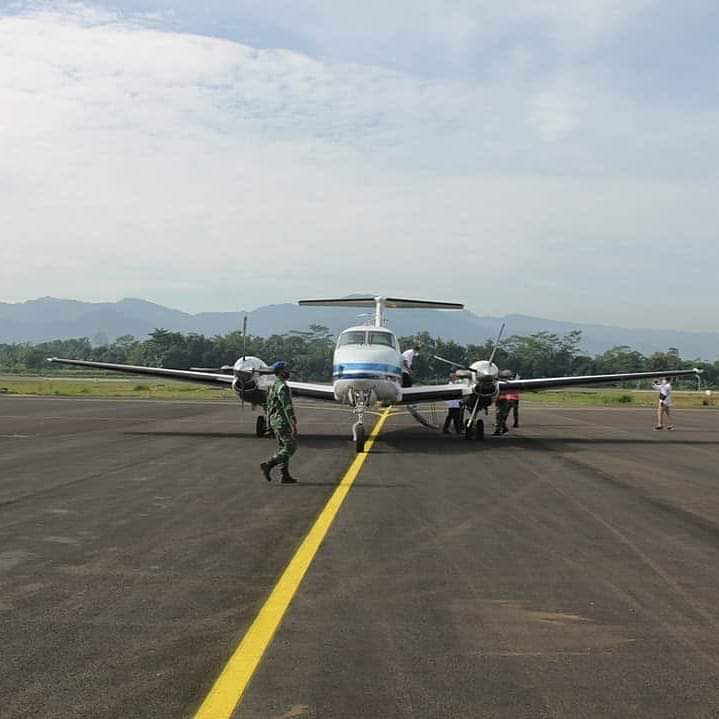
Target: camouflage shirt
[279,406]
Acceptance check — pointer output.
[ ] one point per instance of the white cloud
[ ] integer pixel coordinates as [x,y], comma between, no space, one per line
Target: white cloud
[576,23]
[556,112]
[435,37]
[93,64]
[205,174]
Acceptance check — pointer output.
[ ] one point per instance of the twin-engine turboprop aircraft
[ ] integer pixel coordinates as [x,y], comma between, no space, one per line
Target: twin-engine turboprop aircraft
[367,370]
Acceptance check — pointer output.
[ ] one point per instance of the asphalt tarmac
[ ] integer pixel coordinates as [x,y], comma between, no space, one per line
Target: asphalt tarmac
[567,569]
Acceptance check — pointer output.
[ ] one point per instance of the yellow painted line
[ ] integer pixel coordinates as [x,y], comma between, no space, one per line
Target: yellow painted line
[229,687]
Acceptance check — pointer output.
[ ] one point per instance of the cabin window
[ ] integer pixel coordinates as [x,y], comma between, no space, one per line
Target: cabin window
[381,338]
[352,338]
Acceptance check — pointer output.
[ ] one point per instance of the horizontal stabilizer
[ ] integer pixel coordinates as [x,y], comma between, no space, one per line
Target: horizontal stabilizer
[388,302]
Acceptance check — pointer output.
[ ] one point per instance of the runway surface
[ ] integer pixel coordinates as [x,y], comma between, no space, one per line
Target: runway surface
[568,569]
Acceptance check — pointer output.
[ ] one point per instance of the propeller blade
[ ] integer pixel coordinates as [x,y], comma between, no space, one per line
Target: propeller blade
[244,337]
[496,343]
[453,364]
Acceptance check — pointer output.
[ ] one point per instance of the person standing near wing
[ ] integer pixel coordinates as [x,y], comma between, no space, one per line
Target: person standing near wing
[664,387]
[455,411]
[512,397]
[502,406]
[283,422]
[407,360]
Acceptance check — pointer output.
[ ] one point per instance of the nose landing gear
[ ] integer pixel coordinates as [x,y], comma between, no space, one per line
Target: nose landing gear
[358,435]
[359,400]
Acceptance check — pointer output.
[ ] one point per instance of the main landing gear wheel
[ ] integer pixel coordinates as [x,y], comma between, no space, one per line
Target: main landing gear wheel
[474,431]
[359,438]
[260,426]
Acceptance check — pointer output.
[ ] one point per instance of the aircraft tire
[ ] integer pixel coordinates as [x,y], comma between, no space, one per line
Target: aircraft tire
[479,430]
[260,426]
[469,432]
[360,439]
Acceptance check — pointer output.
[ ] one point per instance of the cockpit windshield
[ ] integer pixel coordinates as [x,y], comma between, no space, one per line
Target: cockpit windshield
[352,338]
[381,338]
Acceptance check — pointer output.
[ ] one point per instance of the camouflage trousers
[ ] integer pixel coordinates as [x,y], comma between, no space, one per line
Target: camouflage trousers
[501,413]
[286,445]
[514,410]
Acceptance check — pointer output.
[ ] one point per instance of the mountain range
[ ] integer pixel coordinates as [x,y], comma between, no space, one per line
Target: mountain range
[49,318]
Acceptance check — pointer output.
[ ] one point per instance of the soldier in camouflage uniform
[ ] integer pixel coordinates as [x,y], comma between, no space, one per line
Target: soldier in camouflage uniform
[283,422]
[502,406]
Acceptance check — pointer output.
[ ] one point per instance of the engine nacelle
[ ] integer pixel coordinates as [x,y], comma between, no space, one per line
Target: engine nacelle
[248,365]
[244,384]
[248,372]
[486,376]
[485,370]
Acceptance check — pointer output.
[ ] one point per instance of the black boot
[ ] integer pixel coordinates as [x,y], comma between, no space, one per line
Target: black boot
[266,468]
[286,478]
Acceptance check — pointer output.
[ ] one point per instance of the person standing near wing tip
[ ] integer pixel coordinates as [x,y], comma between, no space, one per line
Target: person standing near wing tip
[454,410]
[664,387]
[407,359]
[512,397]
[502,406]
[283,422]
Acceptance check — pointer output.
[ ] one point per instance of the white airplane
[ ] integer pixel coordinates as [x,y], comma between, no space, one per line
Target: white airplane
[367,370]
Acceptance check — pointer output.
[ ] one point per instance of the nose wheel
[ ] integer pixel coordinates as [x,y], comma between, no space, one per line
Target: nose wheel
[358,434]
[474,429]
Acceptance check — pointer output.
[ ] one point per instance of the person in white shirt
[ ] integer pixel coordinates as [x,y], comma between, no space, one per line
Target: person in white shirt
[664,387]
[407,359]
[455,411]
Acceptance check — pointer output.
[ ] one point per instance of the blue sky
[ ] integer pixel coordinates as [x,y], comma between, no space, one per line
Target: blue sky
[543,157]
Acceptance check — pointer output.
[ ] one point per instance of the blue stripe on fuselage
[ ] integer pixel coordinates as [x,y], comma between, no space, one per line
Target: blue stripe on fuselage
[346,367]
[366,375]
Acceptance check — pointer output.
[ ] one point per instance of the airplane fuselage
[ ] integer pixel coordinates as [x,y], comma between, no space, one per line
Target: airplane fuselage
[367,360]
[366,367]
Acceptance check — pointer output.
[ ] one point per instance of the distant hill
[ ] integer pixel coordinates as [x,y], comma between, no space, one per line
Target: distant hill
[48,318]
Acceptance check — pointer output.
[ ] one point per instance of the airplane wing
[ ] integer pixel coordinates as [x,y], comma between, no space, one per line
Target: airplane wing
[549,382]
[312,389]
[432,393]
[178,374]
